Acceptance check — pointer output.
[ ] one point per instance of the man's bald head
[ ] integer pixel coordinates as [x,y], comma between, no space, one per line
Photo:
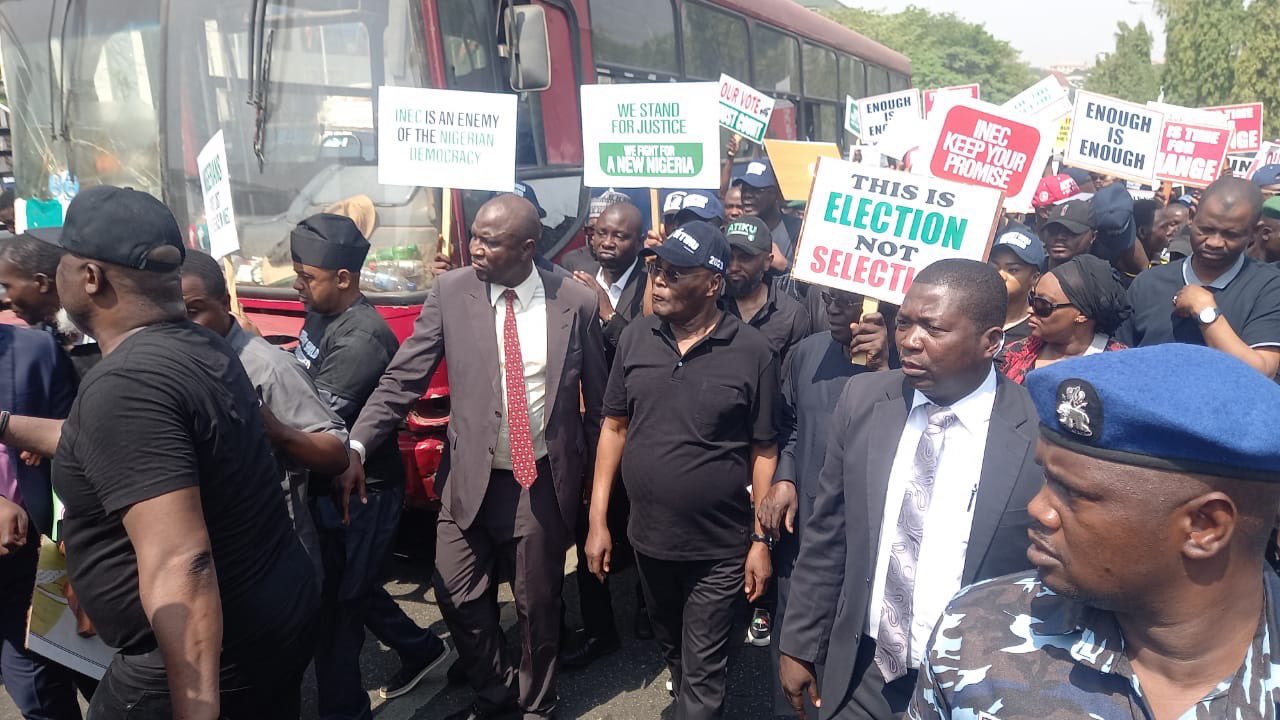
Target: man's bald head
[504,237]
[1231,192]
[626,214]
[518,215]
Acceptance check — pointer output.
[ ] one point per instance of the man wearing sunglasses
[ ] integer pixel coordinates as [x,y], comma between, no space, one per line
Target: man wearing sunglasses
[689,420]
[1216,297]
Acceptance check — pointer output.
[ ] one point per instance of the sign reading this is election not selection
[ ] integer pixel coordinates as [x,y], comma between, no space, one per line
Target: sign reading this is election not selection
[651,135]
[871,230]
[446,138]
[743,109]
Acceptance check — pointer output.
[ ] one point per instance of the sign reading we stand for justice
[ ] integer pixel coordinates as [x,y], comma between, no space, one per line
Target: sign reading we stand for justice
[743,109]
[446,138]
[1114,137]
[651,135]
[871,230]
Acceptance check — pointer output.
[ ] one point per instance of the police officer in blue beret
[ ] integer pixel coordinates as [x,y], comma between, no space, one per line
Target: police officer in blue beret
[1150,598]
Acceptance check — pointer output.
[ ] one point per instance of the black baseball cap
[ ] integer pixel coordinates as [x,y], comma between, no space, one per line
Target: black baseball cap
[750,234]
[695,244]
[120,226]
[1075,215]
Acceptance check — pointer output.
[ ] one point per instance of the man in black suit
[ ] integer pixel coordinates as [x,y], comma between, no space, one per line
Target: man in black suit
[925,488]
[619,281]
[517,446]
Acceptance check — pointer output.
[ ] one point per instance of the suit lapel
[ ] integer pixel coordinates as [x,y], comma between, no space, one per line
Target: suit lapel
[1006,449]
[888,418]
[631,292]
[480,321]
[559,319]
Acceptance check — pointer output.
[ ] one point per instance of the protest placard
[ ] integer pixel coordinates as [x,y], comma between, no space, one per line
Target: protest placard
[852,120]
[978,143]
[1247,135]
[446,138]
[1268,154]
[215,185]
[1064,134]
[53,630]
[1239,165]
[794,163]
[655,135]
[871,230]
[970,91]
[878,112]
[1114,137]
[1192,154]
[743,109]
[1047,100]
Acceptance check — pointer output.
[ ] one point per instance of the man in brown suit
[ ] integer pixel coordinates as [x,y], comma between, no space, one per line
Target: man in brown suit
[517,447]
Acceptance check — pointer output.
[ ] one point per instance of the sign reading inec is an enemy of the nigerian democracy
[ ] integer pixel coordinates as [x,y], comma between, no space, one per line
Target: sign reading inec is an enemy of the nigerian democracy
[651,135]
[215,185]
[446,138]
[1114,137]
[743,109]
[871,230]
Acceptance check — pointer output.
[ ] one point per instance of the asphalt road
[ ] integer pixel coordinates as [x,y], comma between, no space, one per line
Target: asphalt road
[630,683]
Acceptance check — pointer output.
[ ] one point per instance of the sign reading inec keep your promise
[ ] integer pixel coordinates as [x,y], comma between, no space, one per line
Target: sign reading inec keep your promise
[446,138]
[1114,137]
[871,230]
[651,135]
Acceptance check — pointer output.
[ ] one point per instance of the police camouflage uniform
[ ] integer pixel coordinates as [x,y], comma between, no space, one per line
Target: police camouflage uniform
[1012,648]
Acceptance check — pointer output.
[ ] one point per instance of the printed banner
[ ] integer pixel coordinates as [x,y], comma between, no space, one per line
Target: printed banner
[446,138]
[1247,136]
[1192,154]
[215,185]
[1046,100]
[879,112]
[970,91]
[1268,154]
[795,162]
[1114,137]
[651,135]
[978,143]
[1064,134]
[870,230]
[1239,165]
[852,120]
[743,109]
[52,631]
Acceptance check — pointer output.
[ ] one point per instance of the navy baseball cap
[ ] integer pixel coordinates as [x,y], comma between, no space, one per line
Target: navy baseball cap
[703,204]
[673,201]
[1023,242]
[120,226]
[1082,177]
[1217,415]
[697,244]
[1267,175]
[759,174]
[525,190]
[1113,216]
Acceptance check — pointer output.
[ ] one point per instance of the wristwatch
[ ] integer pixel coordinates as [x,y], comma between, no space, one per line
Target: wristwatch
[768,541]
[1209,314]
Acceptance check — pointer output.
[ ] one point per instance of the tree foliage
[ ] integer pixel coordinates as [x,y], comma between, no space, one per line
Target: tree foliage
[1127,72]
[1202,40]
[944,50]
[1257,67]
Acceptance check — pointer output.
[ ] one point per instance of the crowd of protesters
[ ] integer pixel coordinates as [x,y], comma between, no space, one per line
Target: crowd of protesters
[1042,485]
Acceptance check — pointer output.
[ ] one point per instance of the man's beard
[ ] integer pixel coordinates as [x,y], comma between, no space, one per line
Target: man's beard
[743,289]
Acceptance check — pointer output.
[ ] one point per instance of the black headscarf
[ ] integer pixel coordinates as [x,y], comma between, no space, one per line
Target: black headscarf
[1090,284]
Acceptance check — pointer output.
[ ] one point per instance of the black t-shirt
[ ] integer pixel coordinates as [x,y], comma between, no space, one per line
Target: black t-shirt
[1250,303]
[169,409]
[692,420]
[782,320]
[346,354]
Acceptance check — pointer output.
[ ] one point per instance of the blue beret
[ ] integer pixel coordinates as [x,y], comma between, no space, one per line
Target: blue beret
[1173,407]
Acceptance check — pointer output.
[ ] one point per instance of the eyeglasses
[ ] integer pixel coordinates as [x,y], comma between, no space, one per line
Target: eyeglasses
[1042,306]
[839,301]
[670,275]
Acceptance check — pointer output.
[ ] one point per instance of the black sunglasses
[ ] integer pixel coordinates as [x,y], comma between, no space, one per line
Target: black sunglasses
[1042,307]
[670,275]
[840,301]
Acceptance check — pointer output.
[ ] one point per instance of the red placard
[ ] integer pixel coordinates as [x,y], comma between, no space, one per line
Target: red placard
[1248,120]
[978,148]
[1190,154]
[971,90]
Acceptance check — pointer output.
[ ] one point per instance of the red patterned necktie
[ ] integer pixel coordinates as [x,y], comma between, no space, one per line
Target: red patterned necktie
[523,464]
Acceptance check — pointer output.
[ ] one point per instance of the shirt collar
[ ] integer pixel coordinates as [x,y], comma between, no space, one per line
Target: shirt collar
[524,291]
[236,337]
[972,410]
[1220,282]
[725,330]
[622,279]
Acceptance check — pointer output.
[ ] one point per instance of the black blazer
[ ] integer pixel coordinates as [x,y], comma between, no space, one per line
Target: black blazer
[831,583]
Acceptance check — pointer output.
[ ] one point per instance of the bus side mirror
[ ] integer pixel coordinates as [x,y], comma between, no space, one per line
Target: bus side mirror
[526,27]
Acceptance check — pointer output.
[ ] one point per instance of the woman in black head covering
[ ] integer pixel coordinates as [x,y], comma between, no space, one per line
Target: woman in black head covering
[1075,309]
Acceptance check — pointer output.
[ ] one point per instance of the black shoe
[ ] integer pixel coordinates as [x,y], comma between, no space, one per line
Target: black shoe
[475,713]
[457,674]
[591,649]
[408,677]
[643,630]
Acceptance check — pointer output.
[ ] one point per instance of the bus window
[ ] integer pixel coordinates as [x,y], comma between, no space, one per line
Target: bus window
[819,72]
[776,60]
[877,80]
[714,42]
[467,31]
[898,82]
[820,122]
[853,78]
[635,34]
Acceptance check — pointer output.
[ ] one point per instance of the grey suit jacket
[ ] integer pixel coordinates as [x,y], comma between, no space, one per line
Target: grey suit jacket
[831,583]
[457,321]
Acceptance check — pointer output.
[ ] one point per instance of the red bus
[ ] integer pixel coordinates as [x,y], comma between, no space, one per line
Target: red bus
[127,92]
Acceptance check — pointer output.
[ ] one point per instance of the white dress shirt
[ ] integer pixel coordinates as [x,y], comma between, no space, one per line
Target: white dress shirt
[531,326]
[950,516]
[615,290]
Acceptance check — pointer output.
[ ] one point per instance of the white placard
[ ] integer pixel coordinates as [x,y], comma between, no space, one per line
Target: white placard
[743,109]
[852,120]
[651,135]
[446,139]
[215,185]
[879,113]
[1114,137]
[1046,101]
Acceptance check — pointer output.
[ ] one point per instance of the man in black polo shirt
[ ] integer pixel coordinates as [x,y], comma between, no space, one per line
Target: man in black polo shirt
[1216,297]
[689,419]
[779,317]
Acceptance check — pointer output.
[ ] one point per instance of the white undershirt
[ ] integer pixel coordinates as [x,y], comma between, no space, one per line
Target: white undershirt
[615,290]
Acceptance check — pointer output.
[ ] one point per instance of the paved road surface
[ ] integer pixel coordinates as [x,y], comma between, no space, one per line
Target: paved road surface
[630,683]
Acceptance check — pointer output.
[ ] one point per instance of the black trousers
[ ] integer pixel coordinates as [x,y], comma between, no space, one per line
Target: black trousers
[595,602]
[518,535]
[692,604]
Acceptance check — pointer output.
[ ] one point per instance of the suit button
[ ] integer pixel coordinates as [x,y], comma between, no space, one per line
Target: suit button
[490,451]
[868,581]
[497,413]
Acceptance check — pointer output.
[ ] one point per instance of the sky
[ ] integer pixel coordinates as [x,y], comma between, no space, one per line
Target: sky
[1059,33]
